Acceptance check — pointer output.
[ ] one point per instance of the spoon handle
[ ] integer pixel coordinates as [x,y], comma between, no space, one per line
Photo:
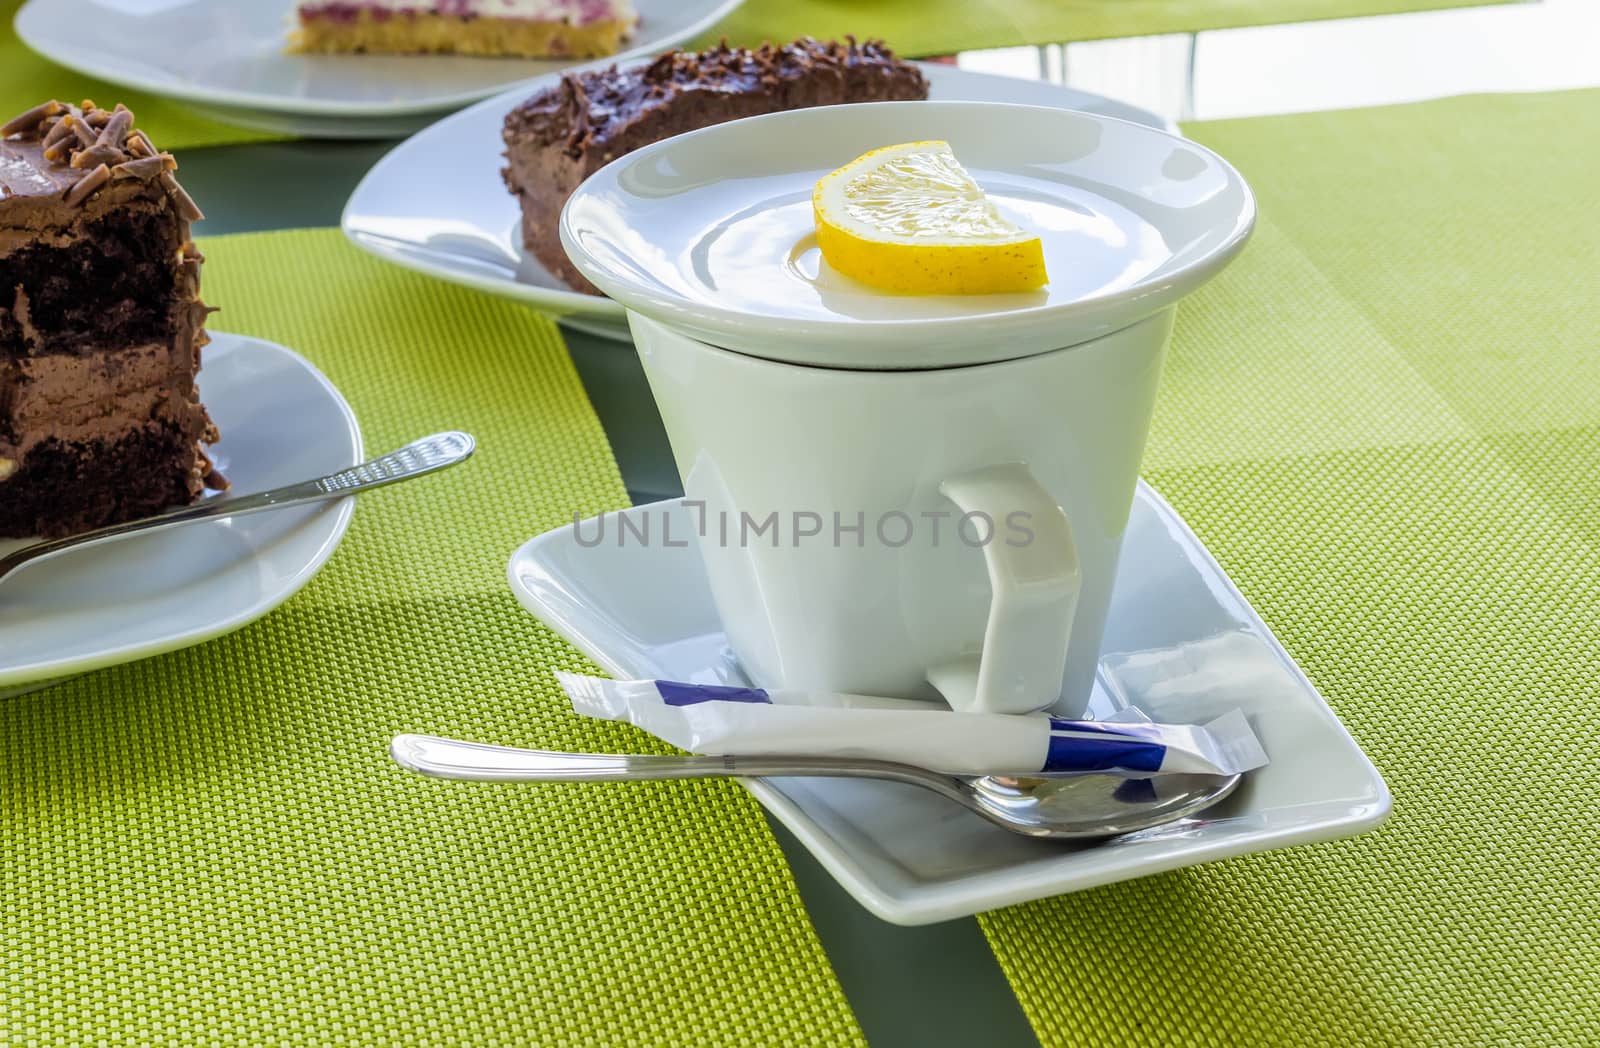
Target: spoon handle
[476,761]
[420,457]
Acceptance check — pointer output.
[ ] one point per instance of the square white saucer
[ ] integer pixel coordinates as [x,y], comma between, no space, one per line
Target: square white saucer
[1181,644]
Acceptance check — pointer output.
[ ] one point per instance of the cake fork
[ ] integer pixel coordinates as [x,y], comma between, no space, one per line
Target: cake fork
[417,459]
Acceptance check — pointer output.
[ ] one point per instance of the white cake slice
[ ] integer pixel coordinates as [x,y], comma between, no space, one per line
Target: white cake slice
[525,28]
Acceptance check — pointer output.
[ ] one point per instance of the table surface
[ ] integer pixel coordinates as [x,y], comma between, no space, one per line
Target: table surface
[941,984]
[908,986]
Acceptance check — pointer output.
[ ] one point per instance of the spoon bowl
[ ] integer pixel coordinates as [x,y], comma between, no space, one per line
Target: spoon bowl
[1067,807]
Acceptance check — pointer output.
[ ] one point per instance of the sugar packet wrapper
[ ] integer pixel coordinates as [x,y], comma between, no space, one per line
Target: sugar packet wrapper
[720,721]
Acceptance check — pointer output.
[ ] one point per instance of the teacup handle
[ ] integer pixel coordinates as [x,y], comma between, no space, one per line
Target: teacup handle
[1035,583]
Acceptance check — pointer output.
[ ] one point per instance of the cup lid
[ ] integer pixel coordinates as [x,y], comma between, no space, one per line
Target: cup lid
[711,232]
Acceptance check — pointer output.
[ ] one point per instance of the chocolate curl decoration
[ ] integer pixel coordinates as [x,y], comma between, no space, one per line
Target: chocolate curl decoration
[22,123]
[115,133]
[59,132]
[144,169]
[80,128]
[185,203]
[97,154]
[86,185]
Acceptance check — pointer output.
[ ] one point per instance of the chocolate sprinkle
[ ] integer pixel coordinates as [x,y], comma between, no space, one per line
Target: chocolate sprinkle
[59,132]
[95,155]
[186,205]
[25,122]
[115,133]
[144,168]
[79,127]
[86,185]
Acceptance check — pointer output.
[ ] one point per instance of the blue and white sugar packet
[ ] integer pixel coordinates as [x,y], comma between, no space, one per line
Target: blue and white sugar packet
[720,720]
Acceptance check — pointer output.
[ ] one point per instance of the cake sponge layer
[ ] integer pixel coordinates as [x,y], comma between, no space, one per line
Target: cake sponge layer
[112,279]
[366,32]
[63,488]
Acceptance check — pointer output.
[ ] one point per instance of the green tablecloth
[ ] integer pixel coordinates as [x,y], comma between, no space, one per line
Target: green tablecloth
[26,80]
[935,27]
[214,848]
[1384,419]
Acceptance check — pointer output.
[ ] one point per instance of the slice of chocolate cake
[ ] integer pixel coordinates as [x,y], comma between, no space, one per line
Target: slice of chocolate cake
[100,326]
[566,133]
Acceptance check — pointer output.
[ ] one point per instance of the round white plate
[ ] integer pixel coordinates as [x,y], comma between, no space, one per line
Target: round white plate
[712,232]
[281,422]
[228,56]
[436,203]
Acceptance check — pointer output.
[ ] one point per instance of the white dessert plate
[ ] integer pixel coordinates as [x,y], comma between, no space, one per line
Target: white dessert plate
[229,57]
[712,232]
[281,422]
[436,203]
[1181,644]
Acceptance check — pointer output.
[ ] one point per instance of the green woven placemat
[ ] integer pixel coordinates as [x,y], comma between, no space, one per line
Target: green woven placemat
[26,79]
[213,847]
[937,27]
[1384,419]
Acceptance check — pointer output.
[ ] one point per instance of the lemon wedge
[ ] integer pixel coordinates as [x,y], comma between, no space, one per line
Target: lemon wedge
[909,219]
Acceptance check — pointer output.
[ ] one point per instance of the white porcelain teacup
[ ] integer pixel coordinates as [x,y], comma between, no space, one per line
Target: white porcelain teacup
[904,495]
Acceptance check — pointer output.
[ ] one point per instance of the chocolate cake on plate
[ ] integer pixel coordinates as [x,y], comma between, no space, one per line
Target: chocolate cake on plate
[567,132]
[101,326]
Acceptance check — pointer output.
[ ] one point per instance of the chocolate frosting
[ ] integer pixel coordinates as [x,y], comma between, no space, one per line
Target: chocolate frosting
[73,153]
[588,110]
